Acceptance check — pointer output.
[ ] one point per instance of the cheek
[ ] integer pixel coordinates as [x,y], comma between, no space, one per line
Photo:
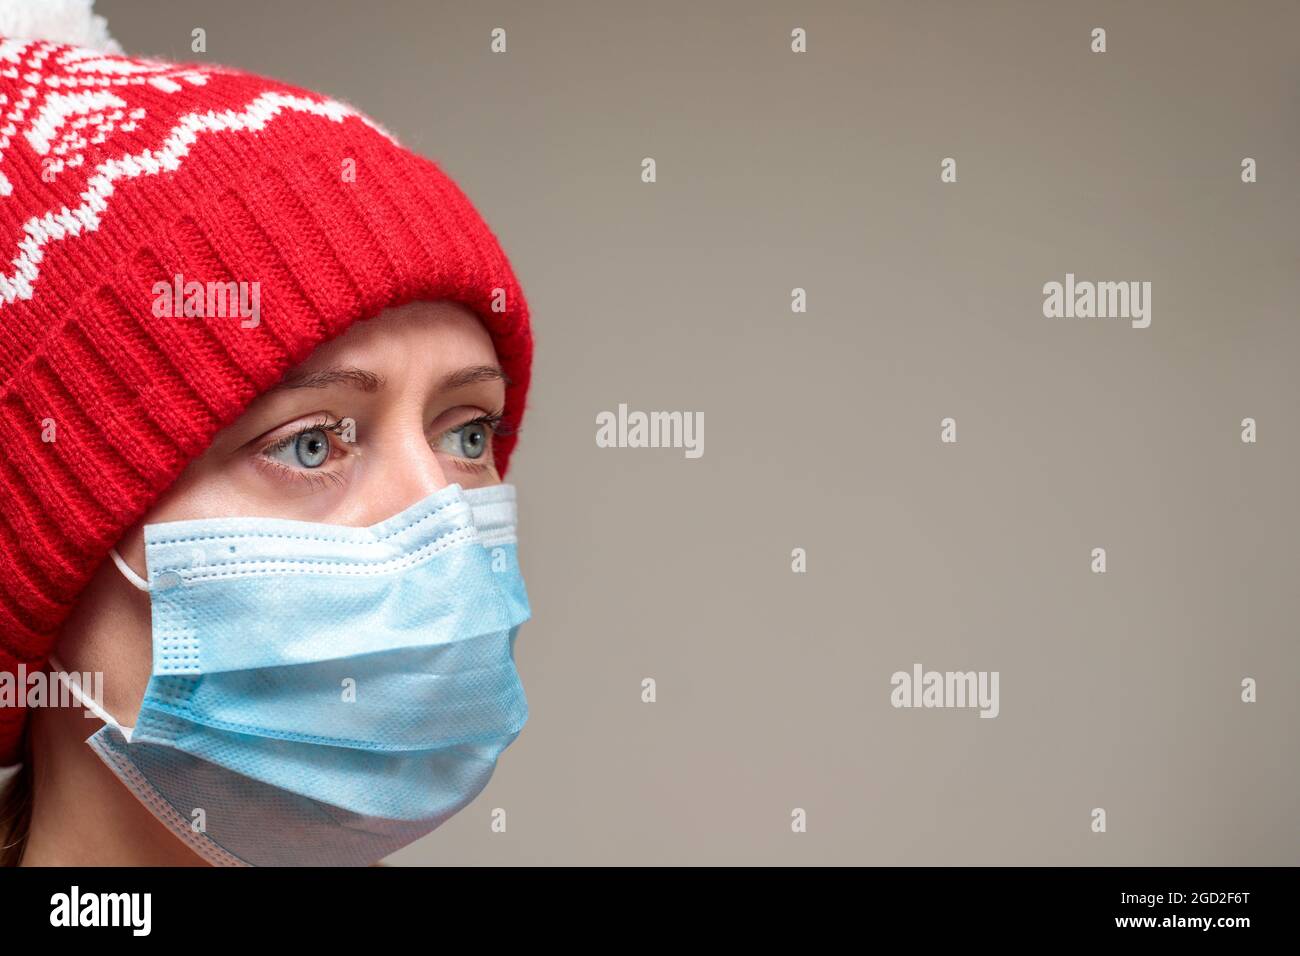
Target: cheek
[109,633]
[234,486]
[210,486]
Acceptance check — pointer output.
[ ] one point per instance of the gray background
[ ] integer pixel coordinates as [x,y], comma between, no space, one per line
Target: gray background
[821,170]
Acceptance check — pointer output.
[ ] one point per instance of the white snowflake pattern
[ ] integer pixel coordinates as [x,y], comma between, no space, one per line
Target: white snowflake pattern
[73,99]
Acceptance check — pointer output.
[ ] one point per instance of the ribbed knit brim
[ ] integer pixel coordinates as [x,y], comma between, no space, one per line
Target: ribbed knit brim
[213,175]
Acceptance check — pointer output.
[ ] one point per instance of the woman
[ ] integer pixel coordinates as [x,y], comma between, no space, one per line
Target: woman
[278,532]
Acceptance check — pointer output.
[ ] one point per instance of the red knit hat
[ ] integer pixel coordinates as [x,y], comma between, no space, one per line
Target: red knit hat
[119,173]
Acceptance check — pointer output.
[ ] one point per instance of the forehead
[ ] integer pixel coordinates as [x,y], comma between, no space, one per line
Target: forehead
[423,337]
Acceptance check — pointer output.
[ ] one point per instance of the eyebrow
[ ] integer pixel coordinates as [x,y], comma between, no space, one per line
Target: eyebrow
[358,378]
[472,375]
[368,381]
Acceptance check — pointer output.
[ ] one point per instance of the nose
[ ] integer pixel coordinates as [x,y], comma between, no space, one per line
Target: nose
[402,470]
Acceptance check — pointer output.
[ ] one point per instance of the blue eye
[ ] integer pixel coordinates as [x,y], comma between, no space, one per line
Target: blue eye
[307,449]
[468,441]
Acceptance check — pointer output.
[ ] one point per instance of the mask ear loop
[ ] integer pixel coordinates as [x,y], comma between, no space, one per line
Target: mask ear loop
[130,575]
[61,674]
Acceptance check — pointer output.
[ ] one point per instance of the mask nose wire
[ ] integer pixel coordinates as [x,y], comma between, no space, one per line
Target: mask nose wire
[125,568]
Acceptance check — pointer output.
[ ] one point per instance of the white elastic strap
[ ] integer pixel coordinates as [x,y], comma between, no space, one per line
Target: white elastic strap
[130,575]
[60,673]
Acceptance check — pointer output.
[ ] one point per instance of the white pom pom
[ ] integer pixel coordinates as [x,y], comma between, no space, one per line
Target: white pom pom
[59,21]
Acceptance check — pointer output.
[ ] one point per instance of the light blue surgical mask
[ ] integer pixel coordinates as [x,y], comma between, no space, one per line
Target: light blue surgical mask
[322,694]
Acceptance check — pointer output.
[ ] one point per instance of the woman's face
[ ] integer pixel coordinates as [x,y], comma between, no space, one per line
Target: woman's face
[388,413]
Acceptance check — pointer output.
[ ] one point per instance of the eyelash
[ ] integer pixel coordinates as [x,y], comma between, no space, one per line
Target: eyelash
[312,476]
[493,421]
[494,425]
